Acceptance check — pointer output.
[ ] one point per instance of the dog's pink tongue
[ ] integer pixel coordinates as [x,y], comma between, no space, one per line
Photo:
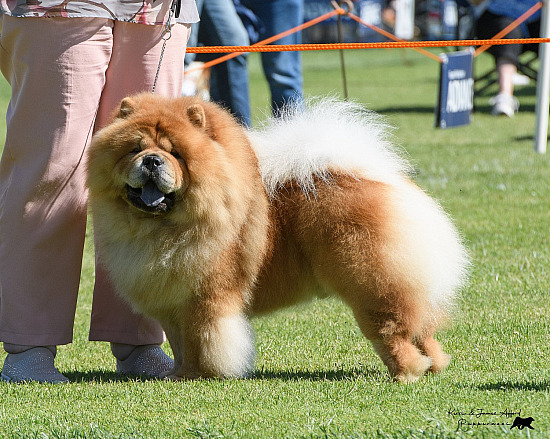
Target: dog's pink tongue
[151,195]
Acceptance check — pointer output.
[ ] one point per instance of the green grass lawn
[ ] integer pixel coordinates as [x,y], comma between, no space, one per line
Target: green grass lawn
[316,376]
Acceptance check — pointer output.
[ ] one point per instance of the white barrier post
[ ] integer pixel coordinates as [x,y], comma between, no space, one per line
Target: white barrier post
[404,19]
[542,106]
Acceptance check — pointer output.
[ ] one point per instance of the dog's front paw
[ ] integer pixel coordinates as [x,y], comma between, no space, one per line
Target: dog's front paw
[183,375]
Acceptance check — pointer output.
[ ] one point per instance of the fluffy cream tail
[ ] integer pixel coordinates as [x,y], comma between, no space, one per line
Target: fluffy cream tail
[328,135]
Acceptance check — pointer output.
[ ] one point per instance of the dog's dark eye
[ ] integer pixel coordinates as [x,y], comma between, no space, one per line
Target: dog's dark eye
[175,154]
[136,150]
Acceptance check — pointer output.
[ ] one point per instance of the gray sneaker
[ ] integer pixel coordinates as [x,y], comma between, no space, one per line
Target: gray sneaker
[35,364]
[148,360]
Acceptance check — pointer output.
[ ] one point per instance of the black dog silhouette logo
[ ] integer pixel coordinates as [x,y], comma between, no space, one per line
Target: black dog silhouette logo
[521,423]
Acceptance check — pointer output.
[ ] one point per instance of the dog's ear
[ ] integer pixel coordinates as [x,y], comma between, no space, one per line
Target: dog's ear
[196,115]
[127,107]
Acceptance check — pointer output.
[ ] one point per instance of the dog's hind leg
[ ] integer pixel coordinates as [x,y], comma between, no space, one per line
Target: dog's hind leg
[403,360]
[432,349]
[393,342]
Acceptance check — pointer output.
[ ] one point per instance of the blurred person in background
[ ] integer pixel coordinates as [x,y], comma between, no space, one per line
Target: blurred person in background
[499,14]
[282,70]
[220,25]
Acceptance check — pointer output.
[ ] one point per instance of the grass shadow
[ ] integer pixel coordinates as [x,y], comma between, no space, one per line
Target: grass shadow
[102,376]
[407,110]
[482,108]
[522,90]
[527,138]
[536,386]
[486,108]
[321,375]
[528,90]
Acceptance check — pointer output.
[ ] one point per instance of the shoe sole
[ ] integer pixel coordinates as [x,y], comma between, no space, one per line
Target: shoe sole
[7,379]
[502,113]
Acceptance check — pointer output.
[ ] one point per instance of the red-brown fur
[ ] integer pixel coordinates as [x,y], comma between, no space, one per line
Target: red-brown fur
[330,243]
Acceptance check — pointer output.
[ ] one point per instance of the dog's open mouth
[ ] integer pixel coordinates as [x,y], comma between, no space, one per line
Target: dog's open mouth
[150,198]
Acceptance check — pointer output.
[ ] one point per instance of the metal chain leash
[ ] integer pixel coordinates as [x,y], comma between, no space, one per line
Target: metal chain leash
[166,35]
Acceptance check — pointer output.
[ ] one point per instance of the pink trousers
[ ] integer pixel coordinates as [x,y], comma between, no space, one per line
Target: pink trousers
[67,75]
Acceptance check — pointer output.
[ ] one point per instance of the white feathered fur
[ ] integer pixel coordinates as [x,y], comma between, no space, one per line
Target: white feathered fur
[329,134]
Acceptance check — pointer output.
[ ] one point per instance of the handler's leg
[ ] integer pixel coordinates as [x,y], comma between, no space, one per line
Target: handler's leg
[56,70]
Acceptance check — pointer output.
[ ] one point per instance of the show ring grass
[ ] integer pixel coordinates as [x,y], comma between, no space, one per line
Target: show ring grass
[316,375]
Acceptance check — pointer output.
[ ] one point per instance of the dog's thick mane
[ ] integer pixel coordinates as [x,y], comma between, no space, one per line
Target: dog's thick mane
[326,136]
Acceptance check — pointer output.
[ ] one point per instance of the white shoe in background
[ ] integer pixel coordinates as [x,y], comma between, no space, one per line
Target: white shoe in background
[519,79]
[504,104]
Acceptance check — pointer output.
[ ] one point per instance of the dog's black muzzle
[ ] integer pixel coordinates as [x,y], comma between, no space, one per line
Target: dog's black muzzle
[150,198]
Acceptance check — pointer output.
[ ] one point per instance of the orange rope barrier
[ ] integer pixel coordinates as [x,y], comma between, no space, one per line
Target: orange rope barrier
[391,36]
[380,45]
[510,27]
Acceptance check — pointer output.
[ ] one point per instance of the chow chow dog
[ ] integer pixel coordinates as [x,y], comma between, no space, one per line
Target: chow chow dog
[203,224]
